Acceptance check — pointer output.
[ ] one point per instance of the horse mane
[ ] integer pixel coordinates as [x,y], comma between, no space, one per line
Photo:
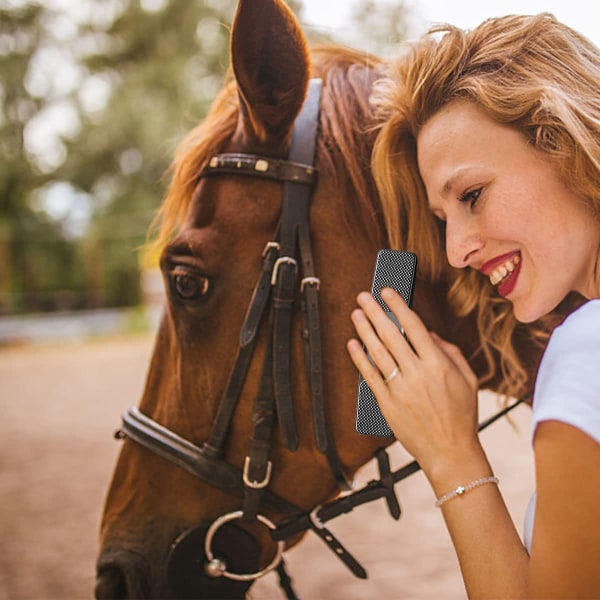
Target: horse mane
[348,134]
[344,147]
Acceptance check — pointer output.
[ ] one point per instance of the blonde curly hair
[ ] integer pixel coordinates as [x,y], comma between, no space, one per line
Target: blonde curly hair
[532,73]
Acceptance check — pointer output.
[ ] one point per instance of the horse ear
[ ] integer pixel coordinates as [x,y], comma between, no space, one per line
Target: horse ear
[269,55]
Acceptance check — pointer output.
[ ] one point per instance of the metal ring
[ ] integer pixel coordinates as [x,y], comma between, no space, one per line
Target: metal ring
[392,375]
[242,576]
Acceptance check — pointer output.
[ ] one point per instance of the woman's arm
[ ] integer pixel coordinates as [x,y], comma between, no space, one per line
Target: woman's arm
[492,558]
[565,553]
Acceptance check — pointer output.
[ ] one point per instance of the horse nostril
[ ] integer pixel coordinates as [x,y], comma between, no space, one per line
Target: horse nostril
[111,584]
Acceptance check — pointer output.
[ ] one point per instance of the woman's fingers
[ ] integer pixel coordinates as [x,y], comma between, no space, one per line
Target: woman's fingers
[431,404]
[378,352]
[371,374]
[387,345]
[415,329]
[388,331]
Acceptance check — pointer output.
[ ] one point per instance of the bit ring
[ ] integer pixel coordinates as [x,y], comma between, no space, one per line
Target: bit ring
[219,568]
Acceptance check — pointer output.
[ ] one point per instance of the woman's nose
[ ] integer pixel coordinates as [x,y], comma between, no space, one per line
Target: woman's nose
[463,242]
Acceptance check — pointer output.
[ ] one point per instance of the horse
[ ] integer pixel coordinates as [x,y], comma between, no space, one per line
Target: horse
[247,419]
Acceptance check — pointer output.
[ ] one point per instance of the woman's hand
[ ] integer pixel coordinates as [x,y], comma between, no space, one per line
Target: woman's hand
[431,405]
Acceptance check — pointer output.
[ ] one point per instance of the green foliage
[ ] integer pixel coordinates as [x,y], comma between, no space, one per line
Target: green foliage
[94,97]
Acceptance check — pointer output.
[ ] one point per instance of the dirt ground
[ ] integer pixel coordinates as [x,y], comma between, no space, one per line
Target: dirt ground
[59,406]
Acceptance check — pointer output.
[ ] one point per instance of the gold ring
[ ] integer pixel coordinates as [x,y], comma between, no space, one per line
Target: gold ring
[392,375]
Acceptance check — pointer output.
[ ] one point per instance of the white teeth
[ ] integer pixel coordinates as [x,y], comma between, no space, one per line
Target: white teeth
[501,272]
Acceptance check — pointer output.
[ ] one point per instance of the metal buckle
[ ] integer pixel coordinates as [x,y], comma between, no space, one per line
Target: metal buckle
[283,259]
[314,519]
[270,246]
[310,281]
[217,568]
[256,485]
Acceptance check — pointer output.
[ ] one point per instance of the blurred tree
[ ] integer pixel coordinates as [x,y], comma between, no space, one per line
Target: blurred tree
[158,64]
[18,41]
[94,96]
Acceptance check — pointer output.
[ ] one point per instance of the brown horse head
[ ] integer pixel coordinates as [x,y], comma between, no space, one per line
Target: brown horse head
[215,228]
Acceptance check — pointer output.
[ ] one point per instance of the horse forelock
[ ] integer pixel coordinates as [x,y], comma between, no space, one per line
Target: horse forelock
[344,146]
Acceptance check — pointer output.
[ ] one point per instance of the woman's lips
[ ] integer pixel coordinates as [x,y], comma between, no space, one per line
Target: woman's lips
[503,271]
[508,283]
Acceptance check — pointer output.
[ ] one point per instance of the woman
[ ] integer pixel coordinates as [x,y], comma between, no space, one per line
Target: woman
[498,129]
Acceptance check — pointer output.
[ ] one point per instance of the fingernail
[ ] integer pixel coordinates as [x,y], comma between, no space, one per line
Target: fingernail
[389,292]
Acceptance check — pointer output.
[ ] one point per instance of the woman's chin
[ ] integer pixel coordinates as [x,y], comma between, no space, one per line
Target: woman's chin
[524,316]
[527,312]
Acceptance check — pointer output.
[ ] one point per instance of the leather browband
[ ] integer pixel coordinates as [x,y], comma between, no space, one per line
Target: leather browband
[260,166]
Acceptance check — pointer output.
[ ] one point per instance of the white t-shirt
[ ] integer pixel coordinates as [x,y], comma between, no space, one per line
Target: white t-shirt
[567,387]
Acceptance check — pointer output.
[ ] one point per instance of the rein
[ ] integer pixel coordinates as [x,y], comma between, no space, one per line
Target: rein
[284,258]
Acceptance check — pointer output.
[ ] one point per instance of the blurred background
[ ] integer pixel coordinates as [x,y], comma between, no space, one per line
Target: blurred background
[94,97]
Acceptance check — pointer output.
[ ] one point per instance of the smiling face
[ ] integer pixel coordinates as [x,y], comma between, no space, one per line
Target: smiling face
[508,213]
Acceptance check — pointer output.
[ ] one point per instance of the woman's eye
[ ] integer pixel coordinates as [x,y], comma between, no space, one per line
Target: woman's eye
[189,286]
[471,197]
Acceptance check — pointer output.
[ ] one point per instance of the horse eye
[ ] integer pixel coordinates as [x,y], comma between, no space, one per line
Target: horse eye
[189,286]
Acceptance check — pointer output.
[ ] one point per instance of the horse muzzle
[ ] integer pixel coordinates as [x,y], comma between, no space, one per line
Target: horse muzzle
[201,557]
[208,561]
[122,574]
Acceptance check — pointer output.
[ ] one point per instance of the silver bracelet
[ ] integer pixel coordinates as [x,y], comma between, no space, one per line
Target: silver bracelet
[463,489]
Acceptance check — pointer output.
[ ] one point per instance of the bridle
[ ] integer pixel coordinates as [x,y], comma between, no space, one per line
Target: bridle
[273,300]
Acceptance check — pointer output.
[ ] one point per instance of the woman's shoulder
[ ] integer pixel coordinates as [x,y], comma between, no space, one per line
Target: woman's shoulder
[580,326]
[568,383]
[588,310]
